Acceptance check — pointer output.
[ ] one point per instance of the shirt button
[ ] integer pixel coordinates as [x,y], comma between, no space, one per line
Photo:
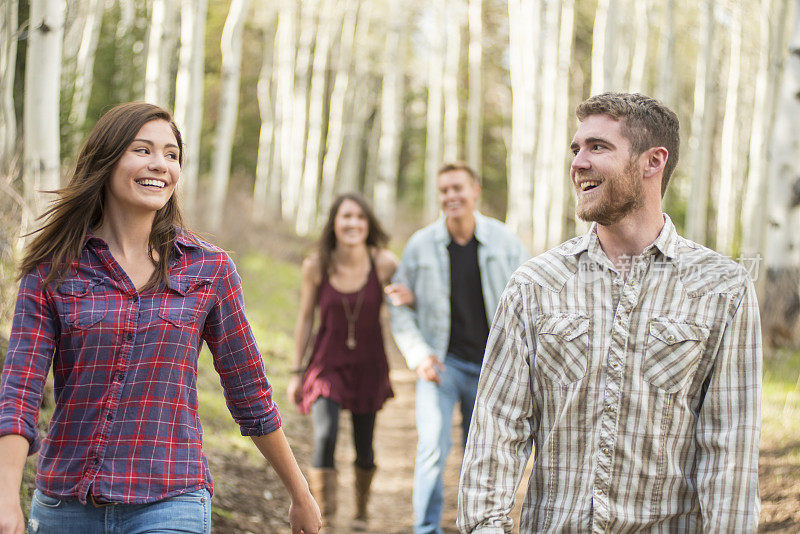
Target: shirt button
[606,451]
[671,338]
[128,336]
[109,417]
[600,491]
[135,298]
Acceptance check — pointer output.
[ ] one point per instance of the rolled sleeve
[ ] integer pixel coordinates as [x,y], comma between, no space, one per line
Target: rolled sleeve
[238,361]
[30,354]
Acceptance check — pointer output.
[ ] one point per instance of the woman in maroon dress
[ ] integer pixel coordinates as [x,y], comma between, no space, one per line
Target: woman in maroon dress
[347,368]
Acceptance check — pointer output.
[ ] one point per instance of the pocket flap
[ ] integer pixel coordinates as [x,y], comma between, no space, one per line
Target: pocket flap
[567,326]
[77,287]
[672,332]
[186,284]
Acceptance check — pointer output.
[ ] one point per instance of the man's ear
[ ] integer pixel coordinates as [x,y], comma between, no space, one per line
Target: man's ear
[655,160]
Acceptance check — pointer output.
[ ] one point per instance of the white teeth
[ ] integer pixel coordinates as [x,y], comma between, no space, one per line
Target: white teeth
[590,183]
[149,181]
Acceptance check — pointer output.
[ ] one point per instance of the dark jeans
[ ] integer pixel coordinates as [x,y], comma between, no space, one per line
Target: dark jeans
[325,418]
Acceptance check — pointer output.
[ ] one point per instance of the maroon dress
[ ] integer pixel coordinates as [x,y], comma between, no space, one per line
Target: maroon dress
[357,379]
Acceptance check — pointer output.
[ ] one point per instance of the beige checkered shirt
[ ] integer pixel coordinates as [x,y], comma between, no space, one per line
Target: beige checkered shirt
[640,395]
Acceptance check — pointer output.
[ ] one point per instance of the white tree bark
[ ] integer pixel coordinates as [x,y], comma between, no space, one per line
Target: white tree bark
[559,175]
[524,27]
[41,106]
[84,69]
[307,209]
[543,180]
[231,45]
[293,172]
[284,94]
[666,51]
[701,130]
[385,190]
[263,202]
[336,116]
[754,208]
[124,38]
[729,160]
[641,36]
[450,79]
[433,129]
[153,82]
[9,14]
[189,95]
[604,54]
[783,240]
[475,100]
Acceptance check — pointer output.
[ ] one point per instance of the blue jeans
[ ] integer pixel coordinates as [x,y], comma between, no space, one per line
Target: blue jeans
[185,513]
[435,404]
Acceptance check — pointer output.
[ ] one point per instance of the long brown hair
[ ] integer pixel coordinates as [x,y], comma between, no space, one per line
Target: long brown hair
[79,206]
[376,236]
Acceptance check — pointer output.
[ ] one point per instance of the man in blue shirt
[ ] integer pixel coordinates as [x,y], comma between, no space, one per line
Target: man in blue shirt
[453,271]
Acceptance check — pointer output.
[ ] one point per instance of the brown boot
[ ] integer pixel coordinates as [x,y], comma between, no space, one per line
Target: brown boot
[363,483]
[323,484]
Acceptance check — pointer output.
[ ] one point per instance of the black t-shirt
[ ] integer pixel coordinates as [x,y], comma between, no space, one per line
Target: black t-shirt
[469,328]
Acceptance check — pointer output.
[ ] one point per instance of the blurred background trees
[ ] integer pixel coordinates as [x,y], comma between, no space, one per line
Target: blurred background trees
[283,104]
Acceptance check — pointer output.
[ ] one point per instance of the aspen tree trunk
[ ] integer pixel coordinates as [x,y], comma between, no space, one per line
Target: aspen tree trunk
[293,172]
[385,191]
[153,84]
[336,116]
[41,106]
[559,176]
[475,99]
[666,51]
[603,49]
[701,132]
[781,307]
[84,69]
[433,130]
[284,93]
[641,36]
[754,209]
[524,21]
[543,181]
[9,15]
[728,167]
[189,95]
[450,79]
[263,202]
[307,209]
[228,109]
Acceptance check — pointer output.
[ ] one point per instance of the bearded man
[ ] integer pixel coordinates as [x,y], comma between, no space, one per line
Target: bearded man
[629,359]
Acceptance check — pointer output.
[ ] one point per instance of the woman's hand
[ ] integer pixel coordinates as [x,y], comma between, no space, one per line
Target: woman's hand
[294,389]
[304,516]
[400,295]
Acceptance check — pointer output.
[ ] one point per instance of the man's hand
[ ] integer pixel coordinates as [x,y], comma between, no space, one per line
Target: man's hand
[429,369]
[294,389]
[400,295]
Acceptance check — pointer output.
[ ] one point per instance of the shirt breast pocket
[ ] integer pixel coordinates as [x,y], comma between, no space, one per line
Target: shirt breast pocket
[562,347]
[184,298]
[83,302]
[672,353]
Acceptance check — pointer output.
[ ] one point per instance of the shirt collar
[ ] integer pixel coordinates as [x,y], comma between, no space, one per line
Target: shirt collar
[182,241]
[666,242]
[481,229]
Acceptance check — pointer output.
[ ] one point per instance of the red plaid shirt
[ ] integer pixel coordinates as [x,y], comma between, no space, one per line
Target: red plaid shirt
[125,426]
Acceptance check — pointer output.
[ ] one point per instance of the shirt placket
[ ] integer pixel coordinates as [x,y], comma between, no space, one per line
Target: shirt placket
[128,313]
[626,294]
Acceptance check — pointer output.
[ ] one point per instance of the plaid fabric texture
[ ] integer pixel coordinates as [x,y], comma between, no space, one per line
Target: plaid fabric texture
[640,395]
[124,363]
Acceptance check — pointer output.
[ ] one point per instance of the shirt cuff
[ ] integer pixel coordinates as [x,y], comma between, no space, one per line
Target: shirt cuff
[20,428]
[268,425]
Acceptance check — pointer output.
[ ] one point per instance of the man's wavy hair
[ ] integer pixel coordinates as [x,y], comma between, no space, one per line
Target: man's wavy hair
[79,206]
[645,121]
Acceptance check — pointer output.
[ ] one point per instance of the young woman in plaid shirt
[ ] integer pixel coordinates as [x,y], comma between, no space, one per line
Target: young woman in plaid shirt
[118,297]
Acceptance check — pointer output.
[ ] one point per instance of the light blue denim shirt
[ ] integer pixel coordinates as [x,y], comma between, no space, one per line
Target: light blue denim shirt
[425,269]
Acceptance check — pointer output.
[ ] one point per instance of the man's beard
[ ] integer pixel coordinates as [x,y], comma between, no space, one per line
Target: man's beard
[622,193]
